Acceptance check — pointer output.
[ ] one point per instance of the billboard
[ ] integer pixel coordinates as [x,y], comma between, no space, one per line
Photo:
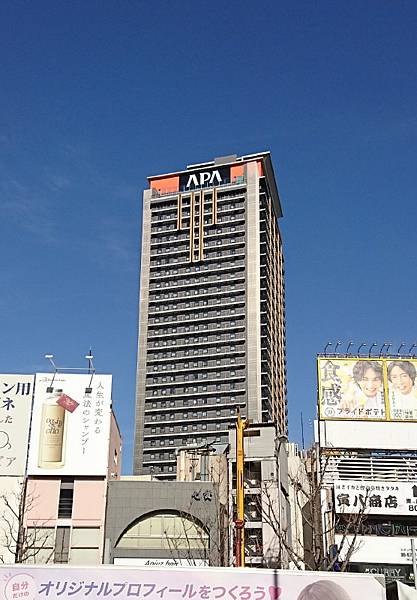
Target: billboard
[389,435]
[376,497]
[389,571]
[377,549]
[16,392]
[208,583]
[70,424]
[367,389]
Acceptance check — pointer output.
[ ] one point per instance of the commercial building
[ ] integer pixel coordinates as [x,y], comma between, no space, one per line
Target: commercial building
[368,446]
[211,313]
[54,480]
[266,493]
[300,465]
[267,503]
[162,523]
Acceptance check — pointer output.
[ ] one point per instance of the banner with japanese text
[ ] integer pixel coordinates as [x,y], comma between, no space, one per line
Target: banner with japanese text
[376,497]
[70,425]
[16,392]
[373,389]
[182,584]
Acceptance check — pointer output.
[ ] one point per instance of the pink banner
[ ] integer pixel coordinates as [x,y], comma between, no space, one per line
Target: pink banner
[108,582]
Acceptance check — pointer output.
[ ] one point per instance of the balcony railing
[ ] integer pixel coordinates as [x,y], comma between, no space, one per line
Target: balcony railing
[239,180]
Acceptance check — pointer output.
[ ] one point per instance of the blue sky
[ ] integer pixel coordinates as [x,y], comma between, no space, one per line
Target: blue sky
[95,96]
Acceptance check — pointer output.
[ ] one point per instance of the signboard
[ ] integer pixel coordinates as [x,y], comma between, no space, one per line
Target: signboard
[152,583]
[390,572]
[382,389]
[70,425]
[377,549]
[371,435]
[207,178]
[16,393]
[161,562]
[376,497]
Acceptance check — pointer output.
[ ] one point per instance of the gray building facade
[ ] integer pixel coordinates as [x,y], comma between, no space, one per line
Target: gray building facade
[212,312]
[155,523]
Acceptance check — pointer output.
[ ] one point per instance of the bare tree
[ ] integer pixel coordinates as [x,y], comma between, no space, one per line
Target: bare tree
[202,540]
[23,543]
[190,542]
[305,540]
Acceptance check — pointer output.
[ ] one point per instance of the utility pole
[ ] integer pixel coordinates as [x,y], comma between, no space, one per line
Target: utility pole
[241,425]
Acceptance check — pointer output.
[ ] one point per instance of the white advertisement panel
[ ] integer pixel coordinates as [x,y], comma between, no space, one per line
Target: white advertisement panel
[182,584]
[378,549]
[362,434]
[376,497]
[16,393]
[70,425]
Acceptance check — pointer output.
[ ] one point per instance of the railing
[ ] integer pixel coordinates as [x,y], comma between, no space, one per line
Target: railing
[239,180]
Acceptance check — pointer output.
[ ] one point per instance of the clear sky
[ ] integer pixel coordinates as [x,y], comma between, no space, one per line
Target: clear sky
[95,96]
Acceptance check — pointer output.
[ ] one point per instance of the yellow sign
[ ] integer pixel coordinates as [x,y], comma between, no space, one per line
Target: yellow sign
[371,389]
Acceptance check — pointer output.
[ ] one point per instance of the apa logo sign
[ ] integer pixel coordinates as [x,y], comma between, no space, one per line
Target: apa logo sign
[202,178]
[191,181]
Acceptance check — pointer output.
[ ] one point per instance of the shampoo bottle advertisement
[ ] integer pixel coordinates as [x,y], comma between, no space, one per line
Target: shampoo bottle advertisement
[70,425]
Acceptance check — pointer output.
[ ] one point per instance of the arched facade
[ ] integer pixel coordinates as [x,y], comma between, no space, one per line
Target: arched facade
[177,534]
[158,523]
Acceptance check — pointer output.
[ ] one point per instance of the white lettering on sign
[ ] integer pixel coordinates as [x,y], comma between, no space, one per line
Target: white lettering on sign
[199,179]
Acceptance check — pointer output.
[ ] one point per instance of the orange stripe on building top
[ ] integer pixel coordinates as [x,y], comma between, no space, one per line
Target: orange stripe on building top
[239,170]
[166,184]
[236,171]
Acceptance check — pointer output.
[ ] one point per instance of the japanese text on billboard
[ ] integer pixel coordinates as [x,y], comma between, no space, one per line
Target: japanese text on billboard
[367,389]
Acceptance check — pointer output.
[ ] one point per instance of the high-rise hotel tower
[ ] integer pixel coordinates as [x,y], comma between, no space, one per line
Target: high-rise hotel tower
[212,310]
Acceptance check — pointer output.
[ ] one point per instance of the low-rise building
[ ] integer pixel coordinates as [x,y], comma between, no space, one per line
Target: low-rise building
[56,503]
[267,509]
[368,461]
[162,523]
